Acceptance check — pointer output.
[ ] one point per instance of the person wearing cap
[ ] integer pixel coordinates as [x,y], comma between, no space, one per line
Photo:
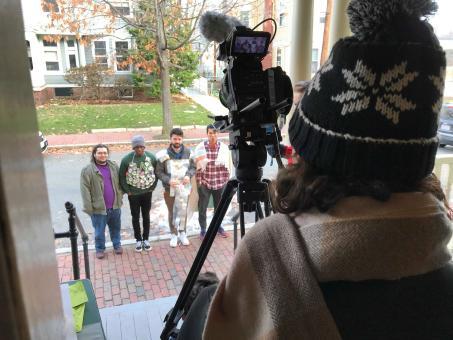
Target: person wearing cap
[212,158]
[102,198]
[359,248]
[175,168]
[138,180]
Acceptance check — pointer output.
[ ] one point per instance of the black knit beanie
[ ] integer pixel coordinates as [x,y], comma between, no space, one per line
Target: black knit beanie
[371,111]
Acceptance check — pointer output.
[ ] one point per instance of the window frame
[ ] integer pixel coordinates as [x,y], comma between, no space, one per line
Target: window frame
[283,19]
[74,50]
[314,61]
[30,58]
[117,6]
[278,56]
[129,69]
[105,41]
[57,50]
[241,14]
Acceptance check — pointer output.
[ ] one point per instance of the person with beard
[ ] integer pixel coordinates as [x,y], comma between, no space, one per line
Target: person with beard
[175,167]
[212,158]
[102,198]
[138,180]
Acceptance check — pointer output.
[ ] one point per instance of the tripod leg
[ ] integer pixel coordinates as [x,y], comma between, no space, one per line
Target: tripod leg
[241,217]
[202,253]
[235,226]
[259,210]
[268,208]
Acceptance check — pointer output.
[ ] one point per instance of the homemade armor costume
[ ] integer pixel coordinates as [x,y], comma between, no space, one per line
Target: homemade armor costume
[370,113]
[138,180]
[172,165]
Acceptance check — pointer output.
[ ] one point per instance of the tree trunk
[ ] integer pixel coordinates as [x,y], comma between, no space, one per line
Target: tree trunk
[166,94]
[164,63]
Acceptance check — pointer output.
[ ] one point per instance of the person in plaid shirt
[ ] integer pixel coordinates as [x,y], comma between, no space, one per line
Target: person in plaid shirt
[212,174]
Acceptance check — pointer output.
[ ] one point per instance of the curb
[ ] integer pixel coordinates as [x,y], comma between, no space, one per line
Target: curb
[66,250]
[148,129]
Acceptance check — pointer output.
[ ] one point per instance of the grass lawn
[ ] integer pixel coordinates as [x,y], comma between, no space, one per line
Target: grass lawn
[78,118]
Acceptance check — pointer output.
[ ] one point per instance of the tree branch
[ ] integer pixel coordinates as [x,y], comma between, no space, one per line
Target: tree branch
[185,41]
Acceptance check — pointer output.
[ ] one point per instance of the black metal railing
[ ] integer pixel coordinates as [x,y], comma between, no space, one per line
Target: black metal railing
[73,234]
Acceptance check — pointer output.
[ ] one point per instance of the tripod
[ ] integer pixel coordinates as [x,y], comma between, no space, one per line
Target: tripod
[251,193]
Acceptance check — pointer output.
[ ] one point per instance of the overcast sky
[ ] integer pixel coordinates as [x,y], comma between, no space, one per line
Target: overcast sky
[442,21]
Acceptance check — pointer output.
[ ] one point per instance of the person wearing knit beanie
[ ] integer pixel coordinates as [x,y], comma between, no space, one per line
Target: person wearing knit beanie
[138,180]
[358,249]
[137,141]
[372,109]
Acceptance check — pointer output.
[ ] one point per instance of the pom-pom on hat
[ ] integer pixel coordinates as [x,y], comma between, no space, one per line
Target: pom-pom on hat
[371,111]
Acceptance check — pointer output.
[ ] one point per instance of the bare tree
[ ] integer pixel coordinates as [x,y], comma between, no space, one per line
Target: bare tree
[169,23]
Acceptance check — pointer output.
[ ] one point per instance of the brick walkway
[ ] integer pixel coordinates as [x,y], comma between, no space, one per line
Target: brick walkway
[132,277]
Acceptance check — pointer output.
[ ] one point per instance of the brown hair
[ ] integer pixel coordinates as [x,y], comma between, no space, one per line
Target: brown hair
[95,148]
[301,187]
[177,132]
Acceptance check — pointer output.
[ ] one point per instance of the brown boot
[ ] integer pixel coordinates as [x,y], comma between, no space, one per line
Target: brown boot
[100,255]
[119,250]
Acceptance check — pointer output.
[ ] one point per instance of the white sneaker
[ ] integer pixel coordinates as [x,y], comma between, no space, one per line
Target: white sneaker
[174,241]
[138,246]
[146,245]
[183,238]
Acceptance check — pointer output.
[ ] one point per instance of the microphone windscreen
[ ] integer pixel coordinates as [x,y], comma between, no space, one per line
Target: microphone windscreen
[216,26]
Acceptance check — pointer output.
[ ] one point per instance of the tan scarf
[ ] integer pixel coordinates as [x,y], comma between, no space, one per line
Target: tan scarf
[359,239]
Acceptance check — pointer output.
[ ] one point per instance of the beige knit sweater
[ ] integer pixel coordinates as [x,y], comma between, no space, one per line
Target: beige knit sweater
[272,291]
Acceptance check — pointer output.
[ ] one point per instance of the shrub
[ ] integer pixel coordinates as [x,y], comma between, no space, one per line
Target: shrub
[90,78]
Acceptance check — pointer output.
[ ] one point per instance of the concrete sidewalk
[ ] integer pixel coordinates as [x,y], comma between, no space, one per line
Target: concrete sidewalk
[115,137]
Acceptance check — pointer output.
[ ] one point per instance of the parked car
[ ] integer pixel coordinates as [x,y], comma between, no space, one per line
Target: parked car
[445,130]
[43,143]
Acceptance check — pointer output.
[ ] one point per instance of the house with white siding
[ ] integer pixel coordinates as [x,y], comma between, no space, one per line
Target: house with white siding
[50,60]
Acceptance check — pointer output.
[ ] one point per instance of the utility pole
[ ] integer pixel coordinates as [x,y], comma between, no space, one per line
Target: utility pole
[325,37]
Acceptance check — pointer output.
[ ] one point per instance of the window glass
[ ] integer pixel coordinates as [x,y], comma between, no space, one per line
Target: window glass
[245,18]
[121,48]
[122,7]
[72,61]
[100,52]
[30,60]
[49,43]
[51,58]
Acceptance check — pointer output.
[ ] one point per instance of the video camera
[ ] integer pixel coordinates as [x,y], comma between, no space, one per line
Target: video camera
[255,98]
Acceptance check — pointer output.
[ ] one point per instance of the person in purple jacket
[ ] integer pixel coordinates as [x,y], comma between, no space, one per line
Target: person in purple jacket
[102,198]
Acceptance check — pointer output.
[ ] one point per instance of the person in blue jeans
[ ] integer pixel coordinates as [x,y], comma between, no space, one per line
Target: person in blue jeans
[102,198]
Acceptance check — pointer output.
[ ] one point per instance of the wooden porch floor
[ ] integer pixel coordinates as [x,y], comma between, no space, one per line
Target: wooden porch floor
[136,321]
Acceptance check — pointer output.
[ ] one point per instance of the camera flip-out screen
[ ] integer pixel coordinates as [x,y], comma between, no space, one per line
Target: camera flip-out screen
[251,44]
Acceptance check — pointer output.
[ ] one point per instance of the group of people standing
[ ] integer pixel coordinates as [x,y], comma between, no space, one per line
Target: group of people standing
[103,185]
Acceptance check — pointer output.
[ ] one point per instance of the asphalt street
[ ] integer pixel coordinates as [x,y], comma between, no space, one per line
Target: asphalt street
[63,180]
[63,183]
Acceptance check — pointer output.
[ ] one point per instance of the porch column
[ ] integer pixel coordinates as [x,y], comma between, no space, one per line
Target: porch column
[30,298]
[301,40]
[340,23]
